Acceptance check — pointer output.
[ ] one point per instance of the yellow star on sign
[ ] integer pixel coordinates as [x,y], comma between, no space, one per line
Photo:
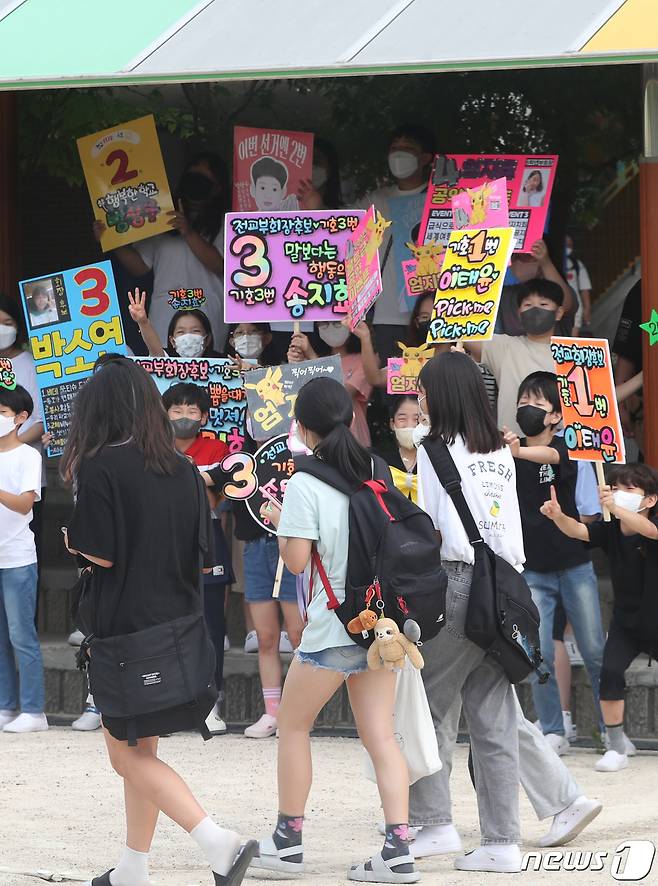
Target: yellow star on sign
[651,326]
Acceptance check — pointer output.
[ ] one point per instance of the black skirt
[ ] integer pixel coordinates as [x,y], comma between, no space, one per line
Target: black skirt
[182,718]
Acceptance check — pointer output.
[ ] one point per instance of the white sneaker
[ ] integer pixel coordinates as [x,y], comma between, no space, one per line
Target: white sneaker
[88,721]
[227,644]
[570,731]
[558,743]
[571,821]
[27,723]
[284,643]
[7,717]
[215,724]
[75,638]
[251,642]
[436,840]
[263,728]
[611,761]
[575,658]
[499,858]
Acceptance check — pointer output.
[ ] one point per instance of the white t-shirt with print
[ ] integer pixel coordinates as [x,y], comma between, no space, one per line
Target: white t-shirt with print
[26,377]
[316,511]
[489,487]
[175,266]
[20,471]
[387,306]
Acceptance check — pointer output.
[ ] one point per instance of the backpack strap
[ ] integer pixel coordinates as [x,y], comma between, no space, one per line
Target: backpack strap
[316,561]
[449,477]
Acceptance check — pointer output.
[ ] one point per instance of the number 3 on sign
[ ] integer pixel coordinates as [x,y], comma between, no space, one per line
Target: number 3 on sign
[252,252]
[95,293]
[243,482]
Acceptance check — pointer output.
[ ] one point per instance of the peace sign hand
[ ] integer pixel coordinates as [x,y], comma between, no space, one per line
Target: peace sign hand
[137,306]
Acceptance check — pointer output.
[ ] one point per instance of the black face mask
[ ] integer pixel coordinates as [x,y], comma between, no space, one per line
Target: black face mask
[536,321]
[196,187]
[531,420]
[423,329]
[185,428]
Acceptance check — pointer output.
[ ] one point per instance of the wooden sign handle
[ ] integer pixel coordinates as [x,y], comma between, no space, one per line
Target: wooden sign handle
[600,479]
[277,579]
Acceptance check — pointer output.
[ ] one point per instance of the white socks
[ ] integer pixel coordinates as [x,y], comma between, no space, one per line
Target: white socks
[132,870]
[218,845]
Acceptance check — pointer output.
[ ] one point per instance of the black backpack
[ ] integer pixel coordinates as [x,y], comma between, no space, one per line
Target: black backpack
[394,561]
[501,617]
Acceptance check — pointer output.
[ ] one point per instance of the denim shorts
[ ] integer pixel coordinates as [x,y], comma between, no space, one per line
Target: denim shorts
[343,659]
[260,561]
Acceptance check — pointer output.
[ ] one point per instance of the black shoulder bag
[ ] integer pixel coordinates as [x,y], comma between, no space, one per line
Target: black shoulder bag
[501,617]
[157,668]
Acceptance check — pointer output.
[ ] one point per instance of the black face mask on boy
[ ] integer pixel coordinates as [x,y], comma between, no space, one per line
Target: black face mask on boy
[537,321]
[531,420]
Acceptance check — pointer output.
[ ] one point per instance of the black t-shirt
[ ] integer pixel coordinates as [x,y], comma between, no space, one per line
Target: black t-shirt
[546,548]
[634,574]
[628,338]
[245,527]
[147,525]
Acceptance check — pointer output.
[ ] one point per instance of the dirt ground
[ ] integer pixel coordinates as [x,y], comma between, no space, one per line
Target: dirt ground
[60,810]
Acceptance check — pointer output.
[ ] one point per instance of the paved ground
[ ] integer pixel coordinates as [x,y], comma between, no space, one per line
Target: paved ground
[60,809]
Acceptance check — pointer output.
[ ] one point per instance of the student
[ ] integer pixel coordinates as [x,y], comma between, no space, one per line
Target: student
[513,358]
[453,393]
[20,484]
[401,454]
[558,569]
[316,514]
[411,151]
[324,190]
[532,192]
[189,333]
[190,256]
[41,307]
[335,338]
[187,406]
[631,543]
[137,520]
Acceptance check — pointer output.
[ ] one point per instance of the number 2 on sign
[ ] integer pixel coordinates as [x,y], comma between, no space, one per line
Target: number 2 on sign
[123,174]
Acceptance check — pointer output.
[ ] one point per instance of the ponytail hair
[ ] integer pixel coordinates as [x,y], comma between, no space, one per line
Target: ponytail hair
[325,408]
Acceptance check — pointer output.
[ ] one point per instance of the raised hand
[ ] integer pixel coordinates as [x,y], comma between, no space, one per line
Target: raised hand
[178,220]
[551,508]
[309,197]
[512,441]
[137,306]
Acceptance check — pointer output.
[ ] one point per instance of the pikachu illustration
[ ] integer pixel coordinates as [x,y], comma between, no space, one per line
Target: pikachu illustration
[479,203]
[376,235]
[413,359]
[427,257]
[270,389]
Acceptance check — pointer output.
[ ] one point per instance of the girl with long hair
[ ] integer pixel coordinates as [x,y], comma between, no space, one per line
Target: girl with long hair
[315,514]
[136,523]
[453,395]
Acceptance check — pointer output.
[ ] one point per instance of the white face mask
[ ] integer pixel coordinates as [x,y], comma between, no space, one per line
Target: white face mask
[318,177]
[405,437]
[7,336]
[419,434]
[631,501]
[402,164]
[7,425]
[190,344]
[248,346]
[333,334]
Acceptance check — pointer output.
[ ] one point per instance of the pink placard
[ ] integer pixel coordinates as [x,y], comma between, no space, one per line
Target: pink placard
[364,279]
[483,207]
[283,266]
[421,273]
[268,167]
[529,177]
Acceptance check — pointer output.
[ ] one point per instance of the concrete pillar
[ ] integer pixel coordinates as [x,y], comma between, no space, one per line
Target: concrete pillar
[649,247]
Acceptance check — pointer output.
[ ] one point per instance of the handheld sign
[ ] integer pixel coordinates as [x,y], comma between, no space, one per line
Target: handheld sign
[268,167]
[483,207]
[402,372]
[364,279]
[470,286]
[127,182]
[73,317]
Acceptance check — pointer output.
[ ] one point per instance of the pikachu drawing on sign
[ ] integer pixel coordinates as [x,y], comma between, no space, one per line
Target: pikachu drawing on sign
[428,258]
[376,237]
[413,359]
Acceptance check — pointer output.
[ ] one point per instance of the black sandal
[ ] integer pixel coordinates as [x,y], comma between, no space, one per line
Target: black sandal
[238,869]
[103,880]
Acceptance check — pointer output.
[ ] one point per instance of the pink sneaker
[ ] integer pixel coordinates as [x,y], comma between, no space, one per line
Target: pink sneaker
[264,728]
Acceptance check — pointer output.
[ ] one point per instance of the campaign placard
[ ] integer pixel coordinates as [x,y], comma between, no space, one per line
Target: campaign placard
[283,266]
[470,286]
[127,182]
[221,377]
[7,376]
[268,167]
[72,318]
[364,279]
[402,372]
[592,428]
[271,392]
[483,207]
[529,178]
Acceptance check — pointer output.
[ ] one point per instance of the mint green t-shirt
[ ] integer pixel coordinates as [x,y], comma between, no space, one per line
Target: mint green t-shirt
[316,511]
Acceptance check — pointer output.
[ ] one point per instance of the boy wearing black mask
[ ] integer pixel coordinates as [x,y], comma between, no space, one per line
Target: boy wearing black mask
[511,358]
[557,568]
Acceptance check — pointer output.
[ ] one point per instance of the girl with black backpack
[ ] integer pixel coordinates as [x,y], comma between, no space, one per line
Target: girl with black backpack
[452,392]
[315,515]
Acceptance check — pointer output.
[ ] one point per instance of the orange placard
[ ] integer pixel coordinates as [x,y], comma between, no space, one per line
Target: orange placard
[592,429]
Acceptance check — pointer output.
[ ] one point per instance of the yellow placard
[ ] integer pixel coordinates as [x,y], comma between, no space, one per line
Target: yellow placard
[470,285]
[127,182]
